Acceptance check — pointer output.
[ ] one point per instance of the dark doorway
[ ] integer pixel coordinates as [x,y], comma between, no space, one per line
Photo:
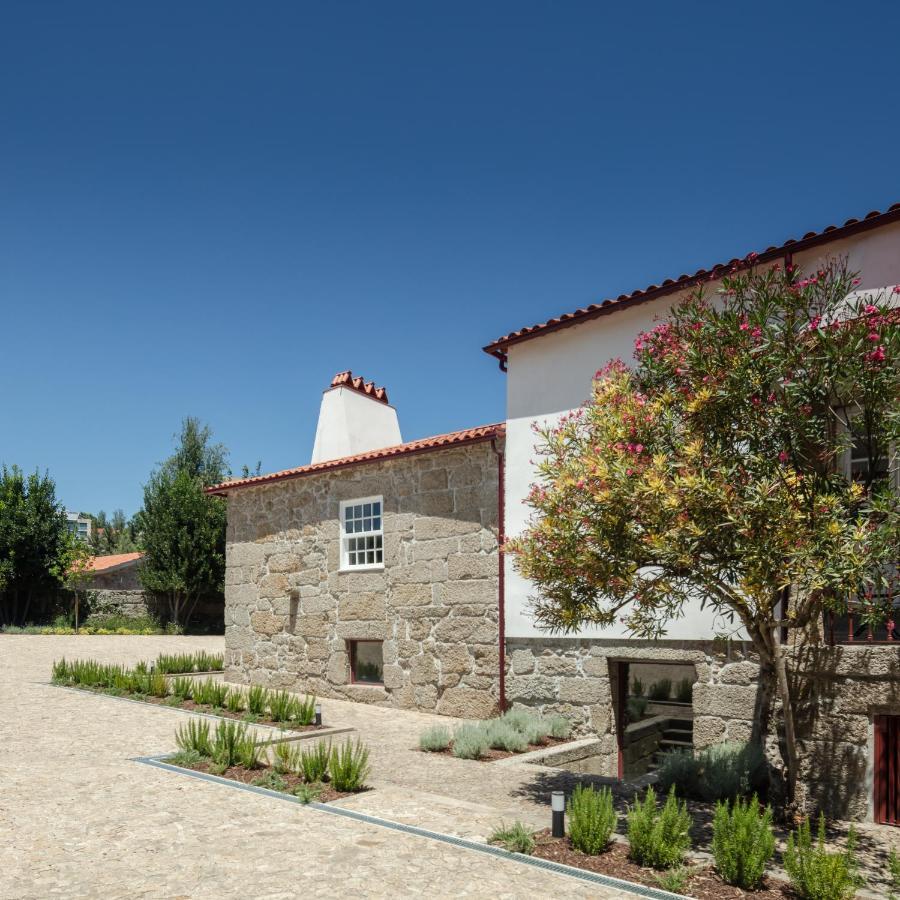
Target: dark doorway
[887,770]
[653,713]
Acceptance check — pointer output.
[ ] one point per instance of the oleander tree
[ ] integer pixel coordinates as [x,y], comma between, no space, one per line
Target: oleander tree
[714,470]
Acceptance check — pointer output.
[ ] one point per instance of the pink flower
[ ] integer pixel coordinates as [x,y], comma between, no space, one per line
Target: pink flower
[871,310]
[874,336]
[783,456]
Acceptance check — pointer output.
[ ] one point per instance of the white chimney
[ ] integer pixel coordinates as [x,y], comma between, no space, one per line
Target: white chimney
[354,417]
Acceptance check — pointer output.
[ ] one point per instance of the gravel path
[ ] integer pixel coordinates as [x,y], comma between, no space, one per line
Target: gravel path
[79,818]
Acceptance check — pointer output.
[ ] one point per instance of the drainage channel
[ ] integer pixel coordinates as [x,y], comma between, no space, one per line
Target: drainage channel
[639,890]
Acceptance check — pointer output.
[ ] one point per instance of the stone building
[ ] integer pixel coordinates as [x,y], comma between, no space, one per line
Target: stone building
[370,576]
[374,572]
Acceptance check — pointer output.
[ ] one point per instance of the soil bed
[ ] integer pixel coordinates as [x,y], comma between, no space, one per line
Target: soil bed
[493,755]
[703,882]
[204,708]
[260,777]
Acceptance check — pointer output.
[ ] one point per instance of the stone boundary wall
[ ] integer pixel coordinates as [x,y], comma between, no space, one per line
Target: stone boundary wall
[117,601]
[290,610]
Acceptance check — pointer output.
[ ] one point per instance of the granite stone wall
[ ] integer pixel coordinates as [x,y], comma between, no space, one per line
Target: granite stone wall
[290,611]
[837,691]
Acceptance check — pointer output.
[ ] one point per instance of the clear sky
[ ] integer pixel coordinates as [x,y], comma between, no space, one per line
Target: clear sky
[210,208]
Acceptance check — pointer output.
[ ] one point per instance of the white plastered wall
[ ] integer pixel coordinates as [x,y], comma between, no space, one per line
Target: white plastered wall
[551,375]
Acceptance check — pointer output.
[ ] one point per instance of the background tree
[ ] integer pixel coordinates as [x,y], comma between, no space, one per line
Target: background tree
[183,528]
[77,572]
[713,471]
[34,543]
[113,534]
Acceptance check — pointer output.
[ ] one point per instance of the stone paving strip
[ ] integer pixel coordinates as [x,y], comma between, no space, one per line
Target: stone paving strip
[80,818]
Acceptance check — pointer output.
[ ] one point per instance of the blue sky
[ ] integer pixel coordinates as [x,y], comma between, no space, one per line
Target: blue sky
[210,208]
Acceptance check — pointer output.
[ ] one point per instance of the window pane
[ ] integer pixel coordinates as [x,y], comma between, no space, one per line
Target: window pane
[376,508]
[357,512]
[367,509]
[367,524]
[367,659]
[376,524]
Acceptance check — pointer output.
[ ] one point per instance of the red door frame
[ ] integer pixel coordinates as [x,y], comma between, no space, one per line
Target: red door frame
[620,702]
[887,770]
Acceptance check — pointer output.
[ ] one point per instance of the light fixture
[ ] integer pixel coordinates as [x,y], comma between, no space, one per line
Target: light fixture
[558,805]
[318,714]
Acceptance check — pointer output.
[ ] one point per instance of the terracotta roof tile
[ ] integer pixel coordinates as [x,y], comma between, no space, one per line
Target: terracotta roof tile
[873,219]
[102,563]
[438,442]
[357,383]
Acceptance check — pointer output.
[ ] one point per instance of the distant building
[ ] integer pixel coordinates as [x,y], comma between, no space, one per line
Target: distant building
[78,525]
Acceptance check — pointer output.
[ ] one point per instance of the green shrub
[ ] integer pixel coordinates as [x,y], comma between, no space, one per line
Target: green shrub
[234,700]
[257,700]
[158,686]
[281,706]
[210,692]
[675,880]
[742,842]
[660,690]
[731,769]
[60,674]
[434,739]
[185,758]
[469,742]
[285,758]
[817,873]
[303,712]
[893,872]
[208,662]
[560,727]
[182,688]
[248,752]
[679,769]
[271,780]
[592,819]
[194,736]
[516,838]
[174,663]
[658,838]
[227,742]
[500,735]
[536,730]
[307,793]
[637,706]
[684,693]
[637,688]
[349,766]
[517,718]
[314,762]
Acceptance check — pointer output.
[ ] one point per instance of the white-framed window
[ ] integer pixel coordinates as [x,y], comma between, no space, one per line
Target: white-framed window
[856,461]
[362,533]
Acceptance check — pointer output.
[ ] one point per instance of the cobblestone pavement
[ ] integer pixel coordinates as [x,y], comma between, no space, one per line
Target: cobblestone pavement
[79,818]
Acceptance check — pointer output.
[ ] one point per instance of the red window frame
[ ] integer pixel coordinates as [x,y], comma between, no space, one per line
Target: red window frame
[353,644]
[887,770]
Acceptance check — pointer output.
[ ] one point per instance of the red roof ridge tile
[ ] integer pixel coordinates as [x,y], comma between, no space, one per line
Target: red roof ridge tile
[358,383]
[873,219]
[436,442]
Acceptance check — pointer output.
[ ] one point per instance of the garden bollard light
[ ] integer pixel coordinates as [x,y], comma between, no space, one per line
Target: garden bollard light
[558,805]
[318,714]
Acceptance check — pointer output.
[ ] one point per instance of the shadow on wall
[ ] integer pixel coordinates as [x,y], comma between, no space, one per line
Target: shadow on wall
[836,692]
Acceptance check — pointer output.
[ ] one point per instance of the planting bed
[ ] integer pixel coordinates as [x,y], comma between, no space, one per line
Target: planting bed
[262,777]
[191,706]
[493,755]
[702,882]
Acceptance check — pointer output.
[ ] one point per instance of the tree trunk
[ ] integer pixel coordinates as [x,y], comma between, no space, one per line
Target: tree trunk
[787,712]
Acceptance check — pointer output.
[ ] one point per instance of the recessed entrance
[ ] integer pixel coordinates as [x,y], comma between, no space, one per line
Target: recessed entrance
[654,713]
[887,770]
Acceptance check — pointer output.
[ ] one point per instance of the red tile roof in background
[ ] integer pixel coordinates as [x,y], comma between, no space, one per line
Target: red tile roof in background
[357,383]
[102,563]
[873,219]
[438,442]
